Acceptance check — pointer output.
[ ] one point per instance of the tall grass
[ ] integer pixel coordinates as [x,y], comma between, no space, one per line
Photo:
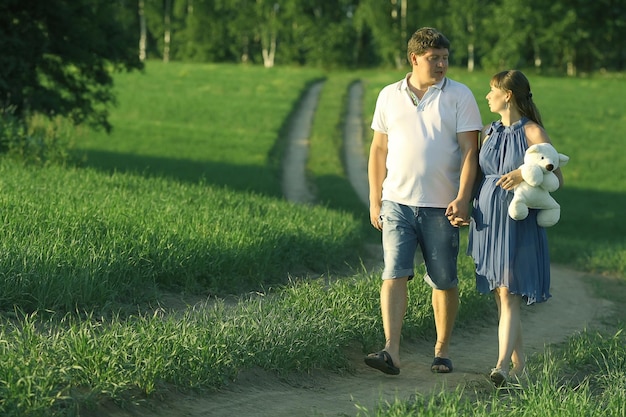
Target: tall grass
[59,366]
[79,239]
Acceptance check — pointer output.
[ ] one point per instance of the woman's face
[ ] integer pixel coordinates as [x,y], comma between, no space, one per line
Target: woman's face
[497,99]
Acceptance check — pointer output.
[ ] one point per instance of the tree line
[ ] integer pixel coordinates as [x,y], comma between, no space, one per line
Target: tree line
[58,55]
[563,36]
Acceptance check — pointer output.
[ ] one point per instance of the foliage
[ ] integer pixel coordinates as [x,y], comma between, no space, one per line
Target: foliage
[36,140]
[563,37]
[57,57]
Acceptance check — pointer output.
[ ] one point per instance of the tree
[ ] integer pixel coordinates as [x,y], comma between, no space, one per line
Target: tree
[268,27]
[58,56]
[464,22]
[375,17]
[507,30]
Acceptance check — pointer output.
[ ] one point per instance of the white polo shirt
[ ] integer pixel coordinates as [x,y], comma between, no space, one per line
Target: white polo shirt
[424,156]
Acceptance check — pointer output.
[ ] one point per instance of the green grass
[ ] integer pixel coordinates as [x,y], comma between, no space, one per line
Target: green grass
[184,198]
[300,327]
[79,239]
[192,122]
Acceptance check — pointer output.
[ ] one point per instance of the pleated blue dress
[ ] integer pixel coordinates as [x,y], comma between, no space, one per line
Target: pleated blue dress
[507,253]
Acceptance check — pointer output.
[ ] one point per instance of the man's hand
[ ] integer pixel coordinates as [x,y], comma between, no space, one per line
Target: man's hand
[458,213]
[375,217]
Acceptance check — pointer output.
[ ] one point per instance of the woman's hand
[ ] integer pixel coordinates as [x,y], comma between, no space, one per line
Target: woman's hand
[511,180]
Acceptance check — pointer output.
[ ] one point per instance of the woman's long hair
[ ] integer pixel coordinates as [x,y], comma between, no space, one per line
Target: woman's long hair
[516,82]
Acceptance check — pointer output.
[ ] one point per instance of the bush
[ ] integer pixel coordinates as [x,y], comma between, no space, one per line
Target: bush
[35,139]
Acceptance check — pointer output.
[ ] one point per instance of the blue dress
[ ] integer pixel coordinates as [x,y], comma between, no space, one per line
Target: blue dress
[507,253]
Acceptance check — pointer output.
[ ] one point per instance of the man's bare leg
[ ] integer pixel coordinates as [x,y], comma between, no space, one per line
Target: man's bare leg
[445,308]
[393,304]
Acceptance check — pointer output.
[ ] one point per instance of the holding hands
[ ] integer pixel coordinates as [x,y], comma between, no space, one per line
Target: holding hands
[458,213]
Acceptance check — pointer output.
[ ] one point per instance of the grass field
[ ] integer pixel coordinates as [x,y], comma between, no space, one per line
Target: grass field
[184,198]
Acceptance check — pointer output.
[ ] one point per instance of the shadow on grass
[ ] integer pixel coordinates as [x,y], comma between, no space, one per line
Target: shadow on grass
[244,178]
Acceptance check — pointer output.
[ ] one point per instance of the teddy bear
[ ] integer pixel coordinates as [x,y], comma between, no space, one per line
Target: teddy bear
[540,161]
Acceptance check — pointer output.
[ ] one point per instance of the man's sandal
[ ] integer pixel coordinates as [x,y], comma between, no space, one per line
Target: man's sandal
[438,363]
[382,361]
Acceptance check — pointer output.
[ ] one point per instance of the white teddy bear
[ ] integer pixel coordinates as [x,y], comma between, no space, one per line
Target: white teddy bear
[540,161]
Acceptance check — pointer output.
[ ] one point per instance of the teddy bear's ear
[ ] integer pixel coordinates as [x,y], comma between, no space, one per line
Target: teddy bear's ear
[563,159]
[532,148]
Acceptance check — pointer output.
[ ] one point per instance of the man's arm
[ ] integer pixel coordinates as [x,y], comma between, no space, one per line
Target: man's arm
[376,173]
[458,209]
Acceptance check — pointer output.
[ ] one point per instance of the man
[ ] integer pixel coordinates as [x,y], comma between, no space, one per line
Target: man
[422,165]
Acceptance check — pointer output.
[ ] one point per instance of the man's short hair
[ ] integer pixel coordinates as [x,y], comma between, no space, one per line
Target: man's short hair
[424,39]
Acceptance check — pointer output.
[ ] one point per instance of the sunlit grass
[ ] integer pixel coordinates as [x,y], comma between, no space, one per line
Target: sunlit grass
[220,123]
[81,239]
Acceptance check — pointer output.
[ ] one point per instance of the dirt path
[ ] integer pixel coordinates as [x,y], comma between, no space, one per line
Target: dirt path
[295,185]
[473,352]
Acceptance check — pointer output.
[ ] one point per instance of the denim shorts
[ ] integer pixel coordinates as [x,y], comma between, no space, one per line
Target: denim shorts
[407,227]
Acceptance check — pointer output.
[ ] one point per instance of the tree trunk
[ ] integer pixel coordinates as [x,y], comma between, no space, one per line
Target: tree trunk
[268,38]
[167,26]
[403,10]
[142,32]
[470,45]
[269,52]
[397,30]
[403,34]
[571,66]
[245,54]
[537,55]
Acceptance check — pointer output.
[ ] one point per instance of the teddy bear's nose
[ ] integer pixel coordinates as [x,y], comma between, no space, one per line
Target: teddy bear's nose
[549,167]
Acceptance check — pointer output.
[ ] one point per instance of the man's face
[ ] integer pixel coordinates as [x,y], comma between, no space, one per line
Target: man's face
[432,66]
